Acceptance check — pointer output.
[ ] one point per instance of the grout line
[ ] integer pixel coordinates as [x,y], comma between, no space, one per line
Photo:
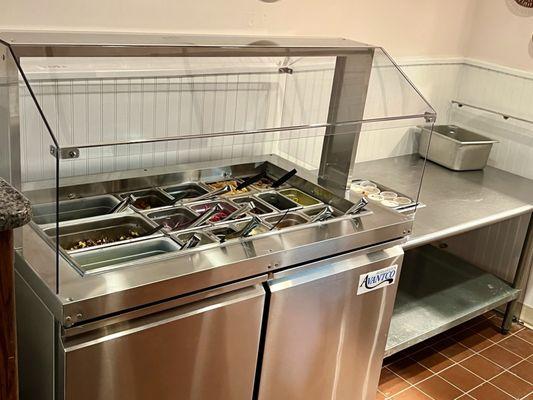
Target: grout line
[501,373]
[525,340]
[454,363]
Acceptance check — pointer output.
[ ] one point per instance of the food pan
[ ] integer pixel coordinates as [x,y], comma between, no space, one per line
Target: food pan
[204,238]
[455,148]
[148,199]
[173,219]
[288,220]
[220,232]
[312,211]
[226,209]
[100,260]
[278,201]
[260,208]
[73,209]
[300,197]
[97,232]
[188,190]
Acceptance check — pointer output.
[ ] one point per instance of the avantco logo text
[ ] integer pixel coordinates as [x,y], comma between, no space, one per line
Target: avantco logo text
[377,279]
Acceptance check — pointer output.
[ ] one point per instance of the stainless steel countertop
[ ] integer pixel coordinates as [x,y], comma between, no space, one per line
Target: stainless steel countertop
[456,202]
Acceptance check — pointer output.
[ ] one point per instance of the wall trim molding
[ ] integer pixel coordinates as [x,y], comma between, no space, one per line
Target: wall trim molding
[464,61]
[75,70]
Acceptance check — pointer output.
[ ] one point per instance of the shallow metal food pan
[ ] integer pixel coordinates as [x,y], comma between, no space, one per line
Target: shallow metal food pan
[286,220]
[300,197]
[189,190]
[221,231]
[202,207]
[312,211]
[173,219]
[205,238]
[233,183]
[148,199]
[455,148]
[260,207]
[278,201]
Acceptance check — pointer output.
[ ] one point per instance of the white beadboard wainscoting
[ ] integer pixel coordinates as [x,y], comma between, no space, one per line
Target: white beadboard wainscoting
[115,107]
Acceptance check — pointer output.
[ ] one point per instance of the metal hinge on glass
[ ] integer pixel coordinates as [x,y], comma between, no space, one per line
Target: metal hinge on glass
[65,153]
[285,70]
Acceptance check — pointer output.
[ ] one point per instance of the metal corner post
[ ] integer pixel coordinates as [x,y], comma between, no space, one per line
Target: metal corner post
[347,104]
[9,119]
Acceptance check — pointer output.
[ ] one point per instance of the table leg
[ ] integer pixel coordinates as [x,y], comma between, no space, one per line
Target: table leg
[520,279]
[8,339]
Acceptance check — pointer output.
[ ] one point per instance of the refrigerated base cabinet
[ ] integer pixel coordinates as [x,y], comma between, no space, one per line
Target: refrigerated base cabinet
[304,333]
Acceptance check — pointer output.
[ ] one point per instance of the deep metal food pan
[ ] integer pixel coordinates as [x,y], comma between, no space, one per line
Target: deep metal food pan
[456,148]
[93,261]
[98,232]
[73,209]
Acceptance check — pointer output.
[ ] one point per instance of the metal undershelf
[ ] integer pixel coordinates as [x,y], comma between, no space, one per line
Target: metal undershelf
[438,291]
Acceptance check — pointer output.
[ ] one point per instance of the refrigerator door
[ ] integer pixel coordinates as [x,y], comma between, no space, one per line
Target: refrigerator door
[204,350]
[323,339]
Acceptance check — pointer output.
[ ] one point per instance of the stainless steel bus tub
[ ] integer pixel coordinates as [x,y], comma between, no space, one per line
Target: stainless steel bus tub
[100,260]
[455,148]
[73,209]
[113,229]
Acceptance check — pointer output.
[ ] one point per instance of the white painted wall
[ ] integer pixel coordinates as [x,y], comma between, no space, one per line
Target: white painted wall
[501,33]
[407,27]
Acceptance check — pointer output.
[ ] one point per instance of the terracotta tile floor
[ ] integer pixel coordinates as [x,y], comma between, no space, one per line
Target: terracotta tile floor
[471,361]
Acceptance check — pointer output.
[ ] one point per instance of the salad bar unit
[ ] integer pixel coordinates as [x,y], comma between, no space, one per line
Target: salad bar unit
[220,262]
[246,259]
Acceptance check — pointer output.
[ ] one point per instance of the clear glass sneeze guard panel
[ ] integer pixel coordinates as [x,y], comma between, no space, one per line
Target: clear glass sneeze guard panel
[118,118]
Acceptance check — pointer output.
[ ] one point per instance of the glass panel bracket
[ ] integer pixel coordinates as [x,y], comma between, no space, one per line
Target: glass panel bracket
[430,117]
[65,152]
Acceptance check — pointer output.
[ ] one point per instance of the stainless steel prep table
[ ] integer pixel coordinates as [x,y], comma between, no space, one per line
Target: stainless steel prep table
[455,203]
